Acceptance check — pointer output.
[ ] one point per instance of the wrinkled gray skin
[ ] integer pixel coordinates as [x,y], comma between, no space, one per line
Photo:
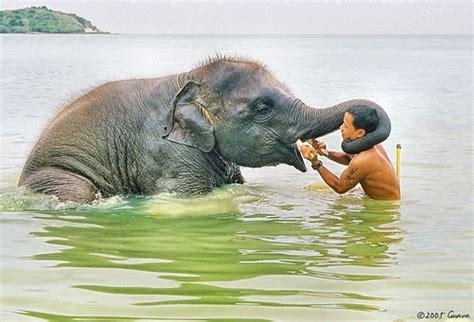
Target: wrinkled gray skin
[185,133]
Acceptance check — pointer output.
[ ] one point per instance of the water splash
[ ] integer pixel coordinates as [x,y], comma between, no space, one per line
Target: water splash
[24,200]
[220,200]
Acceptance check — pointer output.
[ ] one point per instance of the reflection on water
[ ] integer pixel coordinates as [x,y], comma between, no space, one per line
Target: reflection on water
[147,253]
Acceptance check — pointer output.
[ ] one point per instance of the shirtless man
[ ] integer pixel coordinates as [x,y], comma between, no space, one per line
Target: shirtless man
[371,168]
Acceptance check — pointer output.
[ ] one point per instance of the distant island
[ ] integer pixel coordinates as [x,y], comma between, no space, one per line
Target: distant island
[44,20]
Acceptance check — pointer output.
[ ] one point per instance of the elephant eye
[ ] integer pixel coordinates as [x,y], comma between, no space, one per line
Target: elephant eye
[263,106]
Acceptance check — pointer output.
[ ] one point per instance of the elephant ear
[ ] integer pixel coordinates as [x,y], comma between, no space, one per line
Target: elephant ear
[380,134]
[191,123]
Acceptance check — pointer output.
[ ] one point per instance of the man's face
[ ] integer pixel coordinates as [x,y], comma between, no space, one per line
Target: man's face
[348,130]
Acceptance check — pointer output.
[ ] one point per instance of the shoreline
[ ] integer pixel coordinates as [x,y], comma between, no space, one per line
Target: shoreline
[245,35]
[57,33]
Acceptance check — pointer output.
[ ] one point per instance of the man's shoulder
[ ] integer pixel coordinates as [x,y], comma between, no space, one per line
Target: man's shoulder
[364,159]
[363,155]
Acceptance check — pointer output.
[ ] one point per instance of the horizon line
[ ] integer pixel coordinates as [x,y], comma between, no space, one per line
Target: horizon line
[248,34]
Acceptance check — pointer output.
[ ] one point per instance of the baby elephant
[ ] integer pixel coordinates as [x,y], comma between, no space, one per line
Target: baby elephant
[185,133]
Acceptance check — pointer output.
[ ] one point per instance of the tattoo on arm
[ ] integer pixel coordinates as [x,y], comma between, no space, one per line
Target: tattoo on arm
[350,177]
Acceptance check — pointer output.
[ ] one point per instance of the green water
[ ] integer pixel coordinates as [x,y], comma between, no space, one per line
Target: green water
[197,258]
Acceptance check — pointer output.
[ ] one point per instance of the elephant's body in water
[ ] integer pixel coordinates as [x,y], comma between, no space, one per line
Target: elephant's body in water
[185,133]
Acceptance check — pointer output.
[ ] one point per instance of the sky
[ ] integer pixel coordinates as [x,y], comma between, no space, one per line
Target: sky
[268,17]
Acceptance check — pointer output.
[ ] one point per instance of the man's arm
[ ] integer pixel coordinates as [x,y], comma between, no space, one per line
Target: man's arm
[350,177]
[339,157]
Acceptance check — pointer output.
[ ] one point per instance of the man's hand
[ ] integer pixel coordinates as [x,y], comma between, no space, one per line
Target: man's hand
[309,153]
[339,157]
[320,147]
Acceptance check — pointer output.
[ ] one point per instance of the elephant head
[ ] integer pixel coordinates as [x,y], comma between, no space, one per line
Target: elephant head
[250,118]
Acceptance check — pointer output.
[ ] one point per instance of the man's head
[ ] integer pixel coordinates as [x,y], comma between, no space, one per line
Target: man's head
[358,121]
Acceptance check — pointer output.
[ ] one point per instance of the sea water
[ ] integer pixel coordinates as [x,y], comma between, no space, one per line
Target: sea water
[282,247]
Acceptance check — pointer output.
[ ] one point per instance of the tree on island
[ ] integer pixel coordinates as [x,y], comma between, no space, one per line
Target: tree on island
[44,20]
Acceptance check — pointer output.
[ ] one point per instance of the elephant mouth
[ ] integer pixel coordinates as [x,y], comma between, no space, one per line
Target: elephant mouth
[296,160]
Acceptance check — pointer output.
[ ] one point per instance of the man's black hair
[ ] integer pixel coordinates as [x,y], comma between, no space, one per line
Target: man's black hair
[364,117]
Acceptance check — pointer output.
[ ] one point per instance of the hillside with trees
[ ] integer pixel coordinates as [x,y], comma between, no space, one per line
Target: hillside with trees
[43,20]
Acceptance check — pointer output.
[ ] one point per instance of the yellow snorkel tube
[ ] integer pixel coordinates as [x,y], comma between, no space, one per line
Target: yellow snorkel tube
[399,148]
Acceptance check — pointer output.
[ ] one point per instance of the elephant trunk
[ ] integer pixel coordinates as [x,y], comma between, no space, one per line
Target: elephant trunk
[315,122]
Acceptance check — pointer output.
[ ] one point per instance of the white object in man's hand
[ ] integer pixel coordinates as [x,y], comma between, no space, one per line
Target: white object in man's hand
[308,152]
[320,147]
